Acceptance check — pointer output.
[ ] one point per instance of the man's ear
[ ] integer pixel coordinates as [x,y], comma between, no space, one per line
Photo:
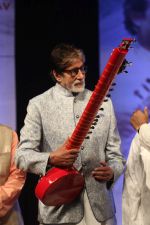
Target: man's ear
[57,76]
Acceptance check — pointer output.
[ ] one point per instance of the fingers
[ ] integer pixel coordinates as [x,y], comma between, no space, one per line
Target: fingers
[73,151]
[65,165]
[139,117]
[100,176]
[71,156]
[139,112]
[103,173]
[63,157]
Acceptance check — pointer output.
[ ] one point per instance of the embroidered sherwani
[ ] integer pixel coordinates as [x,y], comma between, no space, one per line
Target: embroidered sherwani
[136,192]
[51,118]
[11,178]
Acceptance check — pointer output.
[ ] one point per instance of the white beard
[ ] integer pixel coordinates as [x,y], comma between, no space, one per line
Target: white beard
[77,89]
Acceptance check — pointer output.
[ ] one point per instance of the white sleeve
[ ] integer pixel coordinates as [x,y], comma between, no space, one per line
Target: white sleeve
[131,187]
[144,136]
[145,155]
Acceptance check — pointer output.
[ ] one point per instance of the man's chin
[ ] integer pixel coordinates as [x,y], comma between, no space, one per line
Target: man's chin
[78,89]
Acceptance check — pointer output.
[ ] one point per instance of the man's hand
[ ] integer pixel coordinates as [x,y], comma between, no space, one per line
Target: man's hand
[138,118]
[63,157]
[103,172]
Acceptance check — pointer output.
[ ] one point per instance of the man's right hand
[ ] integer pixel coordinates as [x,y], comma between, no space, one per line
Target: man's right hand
[62,157]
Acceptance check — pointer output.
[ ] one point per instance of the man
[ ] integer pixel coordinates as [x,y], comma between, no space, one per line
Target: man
[50,120]
[11,179]
[136,192]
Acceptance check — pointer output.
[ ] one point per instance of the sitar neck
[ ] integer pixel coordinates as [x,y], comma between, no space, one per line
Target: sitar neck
[101,89]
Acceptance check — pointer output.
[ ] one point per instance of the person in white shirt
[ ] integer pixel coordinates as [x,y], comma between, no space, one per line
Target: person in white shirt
[136,189]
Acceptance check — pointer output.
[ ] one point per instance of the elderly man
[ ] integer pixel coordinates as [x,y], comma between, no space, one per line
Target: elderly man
[51,118]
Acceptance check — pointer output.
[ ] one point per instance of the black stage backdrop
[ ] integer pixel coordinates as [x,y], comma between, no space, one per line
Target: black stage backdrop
[41,24]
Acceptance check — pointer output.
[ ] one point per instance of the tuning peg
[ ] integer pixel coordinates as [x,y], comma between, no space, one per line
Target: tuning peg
[129,63]
[105,100]
[108,95]
[113,84]
[89,132]
[96,120]
[134,40]
[98,116]
[123,66]
[94,123]
[92,127]
[87,137]
[111,89]
[101,109]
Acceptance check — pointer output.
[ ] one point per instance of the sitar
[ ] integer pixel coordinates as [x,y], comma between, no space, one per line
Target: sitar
[61,186]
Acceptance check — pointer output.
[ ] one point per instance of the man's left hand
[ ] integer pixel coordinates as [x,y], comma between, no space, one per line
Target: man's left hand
[103,172]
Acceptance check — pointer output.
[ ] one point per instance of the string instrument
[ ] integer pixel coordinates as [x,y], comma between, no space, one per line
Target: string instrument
[61,186]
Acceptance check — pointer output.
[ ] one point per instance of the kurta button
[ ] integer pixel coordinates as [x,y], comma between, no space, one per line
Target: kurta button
[77,116]
[82,147]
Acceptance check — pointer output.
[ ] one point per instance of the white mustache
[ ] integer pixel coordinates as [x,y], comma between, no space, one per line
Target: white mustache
[79,82]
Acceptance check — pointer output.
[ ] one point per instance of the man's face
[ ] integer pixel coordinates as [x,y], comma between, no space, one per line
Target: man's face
[73,77]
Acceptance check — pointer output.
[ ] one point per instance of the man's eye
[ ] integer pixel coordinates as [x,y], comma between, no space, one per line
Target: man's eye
[74,72]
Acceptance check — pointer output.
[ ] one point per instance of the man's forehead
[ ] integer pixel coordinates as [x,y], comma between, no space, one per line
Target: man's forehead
[76,63]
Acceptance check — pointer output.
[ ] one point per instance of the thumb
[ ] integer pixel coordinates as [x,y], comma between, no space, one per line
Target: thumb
[103,163]
[66,143]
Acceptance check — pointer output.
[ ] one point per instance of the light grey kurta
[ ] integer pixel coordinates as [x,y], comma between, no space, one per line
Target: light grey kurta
[51,118]
[136,192]
[89,218]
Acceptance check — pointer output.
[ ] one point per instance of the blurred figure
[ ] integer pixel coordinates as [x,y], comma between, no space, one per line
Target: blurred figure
[11,179]
[137,20]
[136,191]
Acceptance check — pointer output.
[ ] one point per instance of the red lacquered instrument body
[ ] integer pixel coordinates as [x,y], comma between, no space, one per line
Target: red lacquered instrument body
[61,186]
